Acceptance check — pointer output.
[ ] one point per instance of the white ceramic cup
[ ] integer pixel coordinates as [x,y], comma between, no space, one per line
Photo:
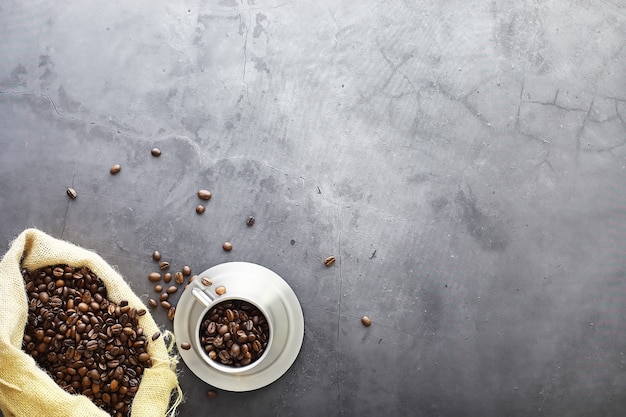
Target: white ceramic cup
[210,300]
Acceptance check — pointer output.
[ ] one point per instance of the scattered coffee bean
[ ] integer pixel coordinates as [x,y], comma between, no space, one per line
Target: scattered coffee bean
[329,261]
[192,278]
[154,276]
[171,313]
[166,305]
[156,256]
[227,246]
[234,333]
[156,336]
[220,290]
[164,266]
[171,289]
[204,194]
[167,277]
[186,270]
[179,278]
[250,221]
[152,302]
[115,169]
[211,394]
[100,353]
[72,193]
[200,209]
[164,296]
[158,288]
[185,345]
[206,281]
[366,321]
[155,152]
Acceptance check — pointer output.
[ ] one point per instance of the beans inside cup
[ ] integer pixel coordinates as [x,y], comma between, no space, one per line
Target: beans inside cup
[234,333]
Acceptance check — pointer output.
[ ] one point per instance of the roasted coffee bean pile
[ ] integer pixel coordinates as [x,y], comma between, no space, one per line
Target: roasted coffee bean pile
[234,333]
[87,344]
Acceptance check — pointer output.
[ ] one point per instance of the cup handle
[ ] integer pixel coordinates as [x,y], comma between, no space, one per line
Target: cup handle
[202,297]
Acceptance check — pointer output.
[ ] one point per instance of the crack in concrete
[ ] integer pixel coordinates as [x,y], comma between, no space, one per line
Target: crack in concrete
[464,99]
[619,115]
[539,139]
[606,148]
[31,92]
[245,49]
[546,161]
[396,68]
[380,90]
[521,100]
[184,138]
[579,134]
[558,106]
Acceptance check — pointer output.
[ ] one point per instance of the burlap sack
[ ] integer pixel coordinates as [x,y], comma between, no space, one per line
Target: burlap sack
[25,389]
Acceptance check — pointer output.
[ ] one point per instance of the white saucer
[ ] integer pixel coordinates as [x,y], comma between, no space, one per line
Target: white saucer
[265,288]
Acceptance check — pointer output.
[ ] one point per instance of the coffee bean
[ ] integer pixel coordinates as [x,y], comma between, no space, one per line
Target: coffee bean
[211,328]
[171,313]
[152,302]
[185,345]
[155,152]
[223,355]
[220,290]
[204,194]
[200,209]
[164,266]
[115,169]
[156,256]
[166,305]
[366,321]
[171,289]
[167,277]
[329,261]
[206,281]
[211,394]
[156,336]
[72,193]
[154,276]
[158,288]
[186,270]
[164,296]
[227,246]
[230,315]
[250,221]
[179,278]
[192,278]
[87,344]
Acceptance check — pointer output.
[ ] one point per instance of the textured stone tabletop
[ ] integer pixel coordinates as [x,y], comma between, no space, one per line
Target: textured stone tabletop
[464,161]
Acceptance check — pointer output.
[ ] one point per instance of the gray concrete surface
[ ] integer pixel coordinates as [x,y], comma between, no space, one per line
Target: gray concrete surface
[465,162]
